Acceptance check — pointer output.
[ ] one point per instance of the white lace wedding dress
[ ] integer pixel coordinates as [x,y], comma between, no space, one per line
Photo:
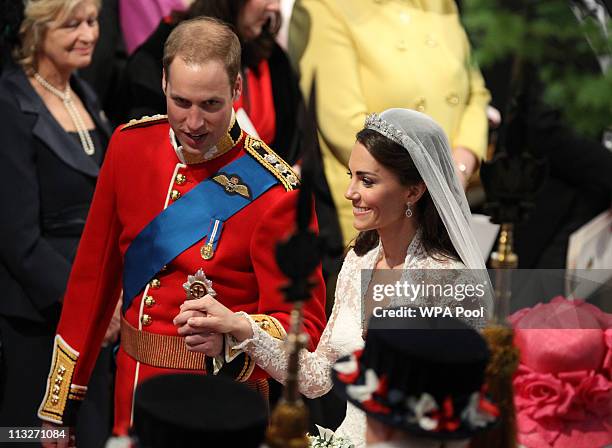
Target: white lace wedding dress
[343,333]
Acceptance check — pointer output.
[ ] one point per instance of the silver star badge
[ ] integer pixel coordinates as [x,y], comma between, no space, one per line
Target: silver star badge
[197,286]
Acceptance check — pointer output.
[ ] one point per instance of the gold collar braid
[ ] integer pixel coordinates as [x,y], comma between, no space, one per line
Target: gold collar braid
[225,143]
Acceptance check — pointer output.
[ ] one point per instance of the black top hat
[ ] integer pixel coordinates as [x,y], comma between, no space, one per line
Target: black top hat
[182,410]
[422,375]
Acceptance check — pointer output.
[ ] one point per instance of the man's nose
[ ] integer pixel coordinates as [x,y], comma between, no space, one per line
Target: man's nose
[195,119]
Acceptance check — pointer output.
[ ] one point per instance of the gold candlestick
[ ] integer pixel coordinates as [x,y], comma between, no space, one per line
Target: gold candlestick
[289,420]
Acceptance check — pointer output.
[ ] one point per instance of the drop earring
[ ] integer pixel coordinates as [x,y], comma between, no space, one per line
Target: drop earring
[408,210]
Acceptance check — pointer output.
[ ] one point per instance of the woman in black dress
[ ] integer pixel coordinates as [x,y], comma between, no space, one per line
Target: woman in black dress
[51,146]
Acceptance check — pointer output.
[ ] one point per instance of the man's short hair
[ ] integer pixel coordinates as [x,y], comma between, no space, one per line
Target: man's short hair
[204,39]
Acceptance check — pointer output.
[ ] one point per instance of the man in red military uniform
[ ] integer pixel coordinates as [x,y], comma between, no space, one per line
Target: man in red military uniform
[181,201]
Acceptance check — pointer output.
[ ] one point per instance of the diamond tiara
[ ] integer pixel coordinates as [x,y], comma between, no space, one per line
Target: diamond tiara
[374,122]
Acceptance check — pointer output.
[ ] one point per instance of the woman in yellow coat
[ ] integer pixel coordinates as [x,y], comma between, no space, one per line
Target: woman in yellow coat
[371,55]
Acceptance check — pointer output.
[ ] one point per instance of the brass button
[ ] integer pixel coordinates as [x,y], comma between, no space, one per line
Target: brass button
[452,99]
[146,320]
[174,195]
[180,179]
[155,283]
[149,301]
[421,105]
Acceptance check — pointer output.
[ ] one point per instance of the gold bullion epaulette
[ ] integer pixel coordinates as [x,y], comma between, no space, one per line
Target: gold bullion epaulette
[272,162]
[144,121]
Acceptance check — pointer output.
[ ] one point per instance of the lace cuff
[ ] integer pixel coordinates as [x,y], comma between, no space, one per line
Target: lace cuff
[260,323]
[269,353]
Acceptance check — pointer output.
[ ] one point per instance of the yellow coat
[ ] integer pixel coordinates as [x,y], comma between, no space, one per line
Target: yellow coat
[371,55]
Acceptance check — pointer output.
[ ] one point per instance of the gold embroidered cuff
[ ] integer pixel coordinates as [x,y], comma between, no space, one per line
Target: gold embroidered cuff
[267,323]
[270,325]
[59,383]
[247,369]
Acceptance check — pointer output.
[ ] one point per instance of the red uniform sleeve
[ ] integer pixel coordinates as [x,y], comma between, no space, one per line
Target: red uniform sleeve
[276,224]
[91,296]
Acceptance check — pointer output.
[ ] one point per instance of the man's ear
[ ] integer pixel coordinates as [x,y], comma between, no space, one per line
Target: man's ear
[164,81]
[237,88]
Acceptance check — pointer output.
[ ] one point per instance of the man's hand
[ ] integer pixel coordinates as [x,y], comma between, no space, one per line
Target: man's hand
[211,345]
[207,315]
[68,441]
[114,328]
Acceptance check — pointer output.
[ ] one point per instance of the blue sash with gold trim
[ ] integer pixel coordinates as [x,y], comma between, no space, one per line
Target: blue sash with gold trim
[186,222]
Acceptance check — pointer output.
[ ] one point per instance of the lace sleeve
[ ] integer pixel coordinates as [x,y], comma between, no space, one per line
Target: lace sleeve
[341,336]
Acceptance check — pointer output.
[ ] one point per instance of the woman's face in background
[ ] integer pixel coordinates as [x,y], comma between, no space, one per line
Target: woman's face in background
[254,15]
[70,40]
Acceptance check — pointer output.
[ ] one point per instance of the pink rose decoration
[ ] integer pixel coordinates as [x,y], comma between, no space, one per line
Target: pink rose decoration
[595,393]
[607,362]
[539,395]
[563,386]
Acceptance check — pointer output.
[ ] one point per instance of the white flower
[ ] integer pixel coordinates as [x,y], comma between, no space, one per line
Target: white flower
[364,392]
[325,433]
[420,408]
[327,439]
[347,367]
[474,415]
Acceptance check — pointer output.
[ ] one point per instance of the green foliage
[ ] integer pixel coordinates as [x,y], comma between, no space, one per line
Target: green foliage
[546,35]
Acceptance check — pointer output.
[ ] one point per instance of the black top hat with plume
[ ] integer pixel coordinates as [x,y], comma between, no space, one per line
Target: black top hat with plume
[422,375]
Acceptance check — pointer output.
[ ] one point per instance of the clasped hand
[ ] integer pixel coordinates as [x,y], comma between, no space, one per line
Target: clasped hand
[203,323]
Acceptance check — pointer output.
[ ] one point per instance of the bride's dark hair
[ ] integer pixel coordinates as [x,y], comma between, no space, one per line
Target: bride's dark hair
[396,159]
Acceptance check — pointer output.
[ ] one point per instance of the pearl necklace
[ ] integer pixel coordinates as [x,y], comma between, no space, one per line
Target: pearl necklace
[75,116]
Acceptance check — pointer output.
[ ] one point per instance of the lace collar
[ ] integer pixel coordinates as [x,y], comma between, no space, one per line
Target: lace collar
[414,252]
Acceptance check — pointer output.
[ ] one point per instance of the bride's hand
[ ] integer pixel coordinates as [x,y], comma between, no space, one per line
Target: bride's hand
[207,315]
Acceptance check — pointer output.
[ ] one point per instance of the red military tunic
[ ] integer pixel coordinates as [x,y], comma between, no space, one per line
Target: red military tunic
[142,175]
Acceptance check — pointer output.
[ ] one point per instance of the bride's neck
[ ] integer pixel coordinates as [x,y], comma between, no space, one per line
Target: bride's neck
[395,242]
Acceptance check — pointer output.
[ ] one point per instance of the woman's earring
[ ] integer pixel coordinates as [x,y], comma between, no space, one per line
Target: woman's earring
[408,210]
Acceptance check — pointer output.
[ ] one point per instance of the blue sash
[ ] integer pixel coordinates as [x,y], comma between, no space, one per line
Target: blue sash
[186,222]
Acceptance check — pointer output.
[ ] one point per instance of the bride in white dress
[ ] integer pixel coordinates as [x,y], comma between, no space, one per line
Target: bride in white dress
[412,215]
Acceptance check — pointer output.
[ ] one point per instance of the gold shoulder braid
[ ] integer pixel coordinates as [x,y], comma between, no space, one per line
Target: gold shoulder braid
[273,162]
[59,383]
[144,121]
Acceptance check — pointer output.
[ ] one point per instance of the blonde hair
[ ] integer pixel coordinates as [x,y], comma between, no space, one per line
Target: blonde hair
[203,39]
[38,14]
